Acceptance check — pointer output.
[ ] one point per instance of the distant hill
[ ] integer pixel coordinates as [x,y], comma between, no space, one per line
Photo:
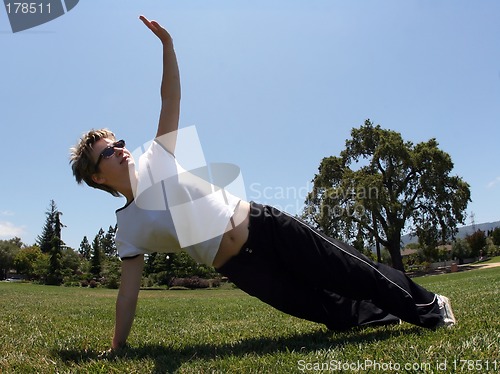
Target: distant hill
[462,231]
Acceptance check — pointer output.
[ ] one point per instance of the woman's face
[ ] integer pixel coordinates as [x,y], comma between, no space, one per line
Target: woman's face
[113,162]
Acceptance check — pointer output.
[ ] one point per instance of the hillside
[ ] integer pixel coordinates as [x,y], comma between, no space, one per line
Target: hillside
[462,231]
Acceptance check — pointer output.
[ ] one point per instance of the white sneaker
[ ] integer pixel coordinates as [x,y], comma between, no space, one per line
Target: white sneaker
[446,312]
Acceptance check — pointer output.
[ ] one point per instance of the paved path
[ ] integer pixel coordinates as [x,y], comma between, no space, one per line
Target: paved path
[486,266]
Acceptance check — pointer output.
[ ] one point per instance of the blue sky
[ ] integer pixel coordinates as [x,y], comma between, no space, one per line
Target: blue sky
[270,86]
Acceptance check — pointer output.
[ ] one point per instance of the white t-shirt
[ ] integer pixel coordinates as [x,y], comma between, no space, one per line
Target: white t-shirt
[175,209]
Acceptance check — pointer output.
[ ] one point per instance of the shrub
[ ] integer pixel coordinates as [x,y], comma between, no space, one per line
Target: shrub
[411,262]
[477,242]
[148,281]
[215,282]
[496,236]
[111,282]
[111,271]
[192,282]
[162,278]
[425,266]
[461,250]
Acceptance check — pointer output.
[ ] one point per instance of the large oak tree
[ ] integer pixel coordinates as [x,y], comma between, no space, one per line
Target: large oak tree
[381,187]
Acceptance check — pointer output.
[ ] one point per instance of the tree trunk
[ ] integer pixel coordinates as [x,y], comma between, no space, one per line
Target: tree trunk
[395,251]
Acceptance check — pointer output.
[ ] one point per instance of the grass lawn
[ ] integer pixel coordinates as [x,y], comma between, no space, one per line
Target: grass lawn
[492,260]
[47,329]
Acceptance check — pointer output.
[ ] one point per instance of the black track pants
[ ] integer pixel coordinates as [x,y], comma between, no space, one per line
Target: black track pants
[297,270]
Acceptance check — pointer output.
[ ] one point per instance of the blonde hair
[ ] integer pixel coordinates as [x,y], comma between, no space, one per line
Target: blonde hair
[81,161]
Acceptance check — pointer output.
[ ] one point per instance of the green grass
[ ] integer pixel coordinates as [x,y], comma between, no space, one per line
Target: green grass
[47,329]
[492,260]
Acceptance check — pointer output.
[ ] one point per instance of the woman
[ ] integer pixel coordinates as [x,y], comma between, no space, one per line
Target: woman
[265,252]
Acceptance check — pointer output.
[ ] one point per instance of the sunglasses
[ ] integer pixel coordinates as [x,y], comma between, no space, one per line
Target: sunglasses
[109,151]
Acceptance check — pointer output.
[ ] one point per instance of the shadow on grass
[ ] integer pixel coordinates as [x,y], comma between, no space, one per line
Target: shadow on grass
[168,359]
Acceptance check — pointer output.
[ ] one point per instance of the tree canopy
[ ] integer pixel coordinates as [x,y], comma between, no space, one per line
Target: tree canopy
[382,186]
[8,252]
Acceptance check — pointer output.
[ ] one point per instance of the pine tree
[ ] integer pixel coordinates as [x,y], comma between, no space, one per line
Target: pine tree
[45,239]
[96,255]
[54,277]
[85,248]
[108,243]
[50,242]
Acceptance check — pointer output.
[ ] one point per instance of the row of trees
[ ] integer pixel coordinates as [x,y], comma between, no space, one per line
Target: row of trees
[379,188]
[478,245]
[97,263]
[50,261]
